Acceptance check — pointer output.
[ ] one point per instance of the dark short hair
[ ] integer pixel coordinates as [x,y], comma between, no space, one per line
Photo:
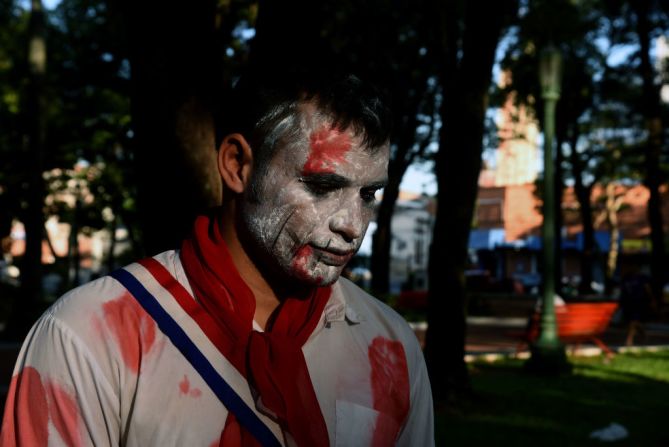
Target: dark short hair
[261,102]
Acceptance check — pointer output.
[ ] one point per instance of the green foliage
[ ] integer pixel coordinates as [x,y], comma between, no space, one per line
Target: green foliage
[88,114]
[13,21]
[601,115]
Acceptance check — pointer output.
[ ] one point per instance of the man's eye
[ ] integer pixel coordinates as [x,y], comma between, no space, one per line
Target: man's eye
[368,195]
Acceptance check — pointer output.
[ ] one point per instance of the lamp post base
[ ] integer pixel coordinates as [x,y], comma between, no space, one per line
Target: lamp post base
[548,360]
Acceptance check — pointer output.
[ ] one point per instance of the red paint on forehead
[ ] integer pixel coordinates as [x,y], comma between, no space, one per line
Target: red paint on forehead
[328,148]
[26,420]
[390,388]
[133,330]
[65,414]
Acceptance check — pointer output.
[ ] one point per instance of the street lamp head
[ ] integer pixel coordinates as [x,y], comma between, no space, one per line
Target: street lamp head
[550,72]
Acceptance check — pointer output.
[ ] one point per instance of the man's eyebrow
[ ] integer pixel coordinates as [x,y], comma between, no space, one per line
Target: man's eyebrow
[326,179]
[377,185]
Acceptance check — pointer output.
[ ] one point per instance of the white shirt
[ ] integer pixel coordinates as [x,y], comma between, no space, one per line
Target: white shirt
[96,370]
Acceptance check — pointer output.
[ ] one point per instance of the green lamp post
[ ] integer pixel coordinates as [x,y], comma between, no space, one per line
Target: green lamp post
[547,353]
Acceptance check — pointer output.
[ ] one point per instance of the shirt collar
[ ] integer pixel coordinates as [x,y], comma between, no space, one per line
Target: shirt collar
[339,309]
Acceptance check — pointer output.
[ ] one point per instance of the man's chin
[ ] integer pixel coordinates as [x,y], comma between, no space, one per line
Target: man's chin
[319,279]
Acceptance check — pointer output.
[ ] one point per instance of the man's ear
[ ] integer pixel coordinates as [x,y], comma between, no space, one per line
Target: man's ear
[235,162]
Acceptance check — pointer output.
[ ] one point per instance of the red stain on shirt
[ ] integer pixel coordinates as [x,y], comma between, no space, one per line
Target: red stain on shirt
[65,414]
[184,385]
[232,433]
[390,388]
[195,393]
[184,388]
[132,328]
[328,147]
[26,420]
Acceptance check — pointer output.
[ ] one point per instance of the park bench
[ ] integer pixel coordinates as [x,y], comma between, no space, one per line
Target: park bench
[577,323]
[412,300]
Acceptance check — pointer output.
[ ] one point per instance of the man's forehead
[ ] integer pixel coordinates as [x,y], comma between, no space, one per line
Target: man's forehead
[323,148]
[315,120]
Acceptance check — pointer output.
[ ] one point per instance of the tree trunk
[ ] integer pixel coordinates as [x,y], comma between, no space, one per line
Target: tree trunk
[382,237]
[74,254]
[111,257]
[174,88]
[583,193]
[653,180]
[465,81]
[402,159]
[612,207]
[28,307]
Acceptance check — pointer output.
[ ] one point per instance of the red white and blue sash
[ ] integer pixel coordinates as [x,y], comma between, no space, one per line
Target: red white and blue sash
[194,333]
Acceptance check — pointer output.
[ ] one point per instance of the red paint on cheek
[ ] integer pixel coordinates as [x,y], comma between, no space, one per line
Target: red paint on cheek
[65,414]
[26,420]
[328,148]
[133,330]
[390,388]
[301,259]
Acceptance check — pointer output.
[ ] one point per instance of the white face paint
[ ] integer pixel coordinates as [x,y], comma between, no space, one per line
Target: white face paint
[312,209]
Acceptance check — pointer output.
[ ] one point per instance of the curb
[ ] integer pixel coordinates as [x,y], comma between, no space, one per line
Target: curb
[590,351]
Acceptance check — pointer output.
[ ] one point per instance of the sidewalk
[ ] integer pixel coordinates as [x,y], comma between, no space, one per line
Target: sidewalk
[491,337]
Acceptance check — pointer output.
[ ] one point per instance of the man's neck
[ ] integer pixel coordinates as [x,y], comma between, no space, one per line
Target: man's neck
[266,298]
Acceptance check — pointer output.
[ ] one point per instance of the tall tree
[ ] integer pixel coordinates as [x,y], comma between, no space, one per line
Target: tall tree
[92,133]
[13,24]
[414,87]
[645,11]
[635,24]
[409,145]
[466,44]
[85,114]
[33,218]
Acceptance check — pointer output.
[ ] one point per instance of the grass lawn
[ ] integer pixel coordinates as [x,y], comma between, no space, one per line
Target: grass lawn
[514,408]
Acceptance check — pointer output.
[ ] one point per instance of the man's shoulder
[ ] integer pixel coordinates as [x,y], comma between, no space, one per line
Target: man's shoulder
[374,312]
[91,298]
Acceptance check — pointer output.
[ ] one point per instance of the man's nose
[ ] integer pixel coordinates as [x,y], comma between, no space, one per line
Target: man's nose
[348,223]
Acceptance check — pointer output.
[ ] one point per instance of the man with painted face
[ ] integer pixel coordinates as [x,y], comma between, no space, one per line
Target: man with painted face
[246,335]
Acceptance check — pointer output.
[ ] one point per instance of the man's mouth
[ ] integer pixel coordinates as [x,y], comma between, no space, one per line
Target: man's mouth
[333,257]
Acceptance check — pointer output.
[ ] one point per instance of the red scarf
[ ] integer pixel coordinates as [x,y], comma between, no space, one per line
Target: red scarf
[271,361]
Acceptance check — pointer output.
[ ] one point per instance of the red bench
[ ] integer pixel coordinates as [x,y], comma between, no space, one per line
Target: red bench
[577,323]
[412,300]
